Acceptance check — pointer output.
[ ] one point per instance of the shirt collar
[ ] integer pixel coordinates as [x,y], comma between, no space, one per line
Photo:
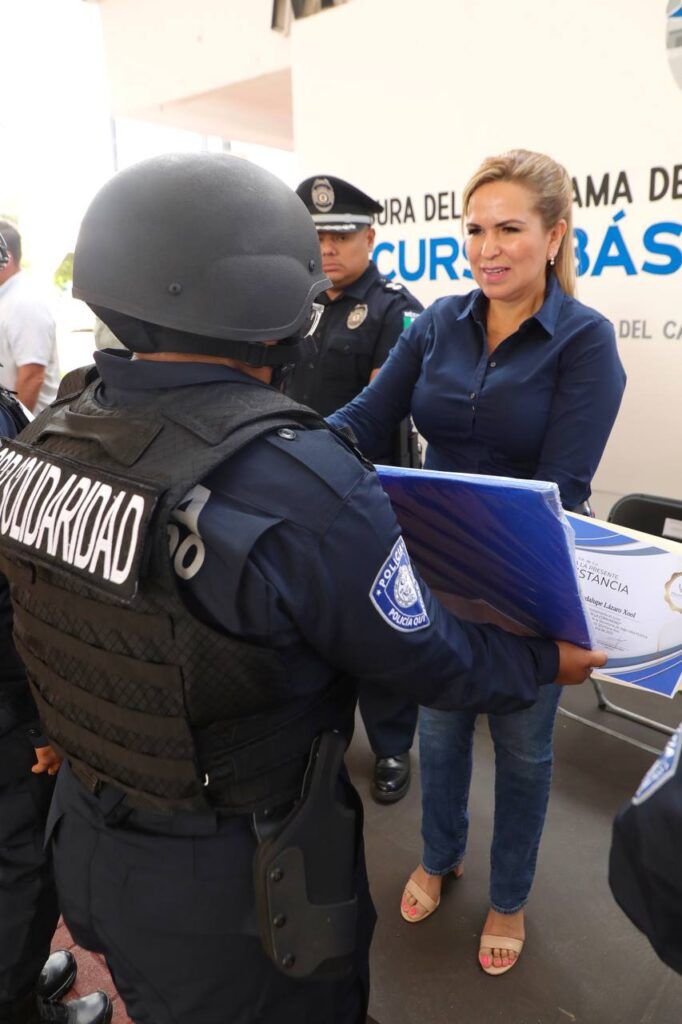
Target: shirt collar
[546,316]
[118,370]
[474,307]
[7,286]
[359,288]
[548,313]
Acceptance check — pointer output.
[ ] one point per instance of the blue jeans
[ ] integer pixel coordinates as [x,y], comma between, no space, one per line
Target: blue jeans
[523,774]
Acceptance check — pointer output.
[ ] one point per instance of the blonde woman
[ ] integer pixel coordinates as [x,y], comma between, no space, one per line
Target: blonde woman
[517,379]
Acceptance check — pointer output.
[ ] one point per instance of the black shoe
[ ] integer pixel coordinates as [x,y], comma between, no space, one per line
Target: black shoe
[391,778]
[58,975]
[93,1009]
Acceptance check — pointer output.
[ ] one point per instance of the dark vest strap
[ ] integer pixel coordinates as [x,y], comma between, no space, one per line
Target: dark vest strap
[130,669]
[126,620]
[123,440]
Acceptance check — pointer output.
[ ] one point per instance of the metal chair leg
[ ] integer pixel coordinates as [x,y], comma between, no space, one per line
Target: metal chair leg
[607,705]
[604,704]
[609,732]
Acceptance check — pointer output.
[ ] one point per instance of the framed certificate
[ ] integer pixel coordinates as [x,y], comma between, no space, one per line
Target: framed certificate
[631,584]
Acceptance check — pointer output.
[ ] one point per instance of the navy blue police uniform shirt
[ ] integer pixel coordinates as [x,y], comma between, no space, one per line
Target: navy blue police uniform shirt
[293,544]
[354,337]
[16,704]
[541,406]
[7,428]
[645,869]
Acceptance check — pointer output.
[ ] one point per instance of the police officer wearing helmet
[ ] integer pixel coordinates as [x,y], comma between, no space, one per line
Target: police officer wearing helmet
[364,316]
[30,981]
[199,567]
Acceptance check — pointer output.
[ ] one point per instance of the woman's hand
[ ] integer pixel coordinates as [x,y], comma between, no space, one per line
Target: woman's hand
[48,761]
[575,663]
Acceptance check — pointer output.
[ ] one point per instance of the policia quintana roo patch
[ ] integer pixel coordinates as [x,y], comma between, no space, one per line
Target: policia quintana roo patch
[662,770]
[396,594]
[93,524]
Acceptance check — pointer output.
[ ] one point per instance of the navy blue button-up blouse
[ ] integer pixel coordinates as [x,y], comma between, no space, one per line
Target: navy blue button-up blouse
[541,406]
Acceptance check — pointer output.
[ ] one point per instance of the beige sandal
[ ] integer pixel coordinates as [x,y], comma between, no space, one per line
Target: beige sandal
[489,941]
[424,901]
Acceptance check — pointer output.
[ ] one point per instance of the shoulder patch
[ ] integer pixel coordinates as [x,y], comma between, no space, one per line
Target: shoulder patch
[409,317]
[661,770]
[396,595]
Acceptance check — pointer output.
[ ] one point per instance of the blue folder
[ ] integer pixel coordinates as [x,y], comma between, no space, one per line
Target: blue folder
[509,544]
[503,541]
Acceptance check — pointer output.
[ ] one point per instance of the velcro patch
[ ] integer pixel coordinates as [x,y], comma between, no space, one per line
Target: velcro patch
[65,515]
[661,770]
[396,595]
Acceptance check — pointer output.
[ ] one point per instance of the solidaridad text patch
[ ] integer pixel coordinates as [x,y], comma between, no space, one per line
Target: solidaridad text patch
[661,770]
[396,595]
[61,514]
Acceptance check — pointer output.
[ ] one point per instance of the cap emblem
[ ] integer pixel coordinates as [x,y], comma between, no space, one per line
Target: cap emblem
[322,195]
[357,316]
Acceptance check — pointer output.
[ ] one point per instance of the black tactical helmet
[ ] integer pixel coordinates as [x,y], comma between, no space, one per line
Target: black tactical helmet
[215,250]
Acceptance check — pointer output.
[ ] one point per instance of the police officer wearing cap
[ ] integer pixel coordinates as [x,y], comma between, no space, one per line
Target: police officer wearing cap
[645,870]
[364,315]
[200,567]
[30,984]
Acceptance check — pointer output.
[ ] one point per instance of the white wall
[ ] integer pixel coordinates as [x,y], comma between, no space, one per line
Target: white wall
[164,50]
[406,98]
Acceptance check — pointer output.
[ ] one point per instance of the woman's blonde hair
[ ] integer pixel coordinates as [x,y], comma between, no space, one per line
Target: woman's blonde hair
[553,190]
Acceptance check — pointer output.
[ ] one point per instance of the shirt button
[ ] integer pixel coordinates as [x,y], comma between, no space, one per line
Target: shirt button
[472,395]
[286,434]
[492,363]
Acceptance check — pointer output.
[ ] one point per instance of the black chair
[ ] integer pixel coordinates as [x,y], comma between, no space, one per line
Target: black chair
[661,517]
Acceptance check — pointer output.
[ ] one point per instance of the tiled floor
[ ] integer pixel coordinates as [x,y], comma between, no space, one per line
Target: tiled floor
[583,962]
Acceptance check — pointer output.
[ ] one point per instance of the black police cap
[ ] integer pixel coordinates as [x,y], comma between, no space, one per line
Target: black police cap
[336,205]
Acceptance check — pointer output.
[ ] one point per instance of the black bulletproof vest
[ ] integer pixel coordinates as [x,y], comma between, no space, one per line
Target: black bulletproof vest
[131,687]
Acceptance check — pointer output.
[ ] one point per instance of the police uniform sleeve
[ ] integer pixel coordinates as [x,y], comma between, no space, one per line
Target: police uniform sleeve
[357,601]
[378,410]
[399,315]
[645,869]
[7,428]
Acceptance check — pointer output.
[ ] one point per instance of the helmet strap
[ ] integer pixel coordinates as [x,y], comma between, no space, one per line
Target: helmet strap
[141,336]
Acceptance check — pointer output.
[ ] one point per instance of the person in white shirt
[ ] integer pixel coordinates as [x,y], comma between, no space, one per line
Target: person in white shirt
[29,364]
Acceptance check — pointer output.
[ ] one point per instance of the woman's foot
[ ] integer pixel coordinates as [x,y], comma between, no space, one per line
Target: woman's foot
[421,895]
[499,958]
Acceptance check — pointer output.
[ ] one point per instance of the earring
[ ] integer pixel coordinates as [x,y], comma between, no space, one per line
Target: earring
[551,261]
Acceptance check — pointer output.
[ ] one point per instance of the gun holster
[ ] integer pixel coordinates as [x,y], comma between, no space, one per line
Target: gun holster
[304,874]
